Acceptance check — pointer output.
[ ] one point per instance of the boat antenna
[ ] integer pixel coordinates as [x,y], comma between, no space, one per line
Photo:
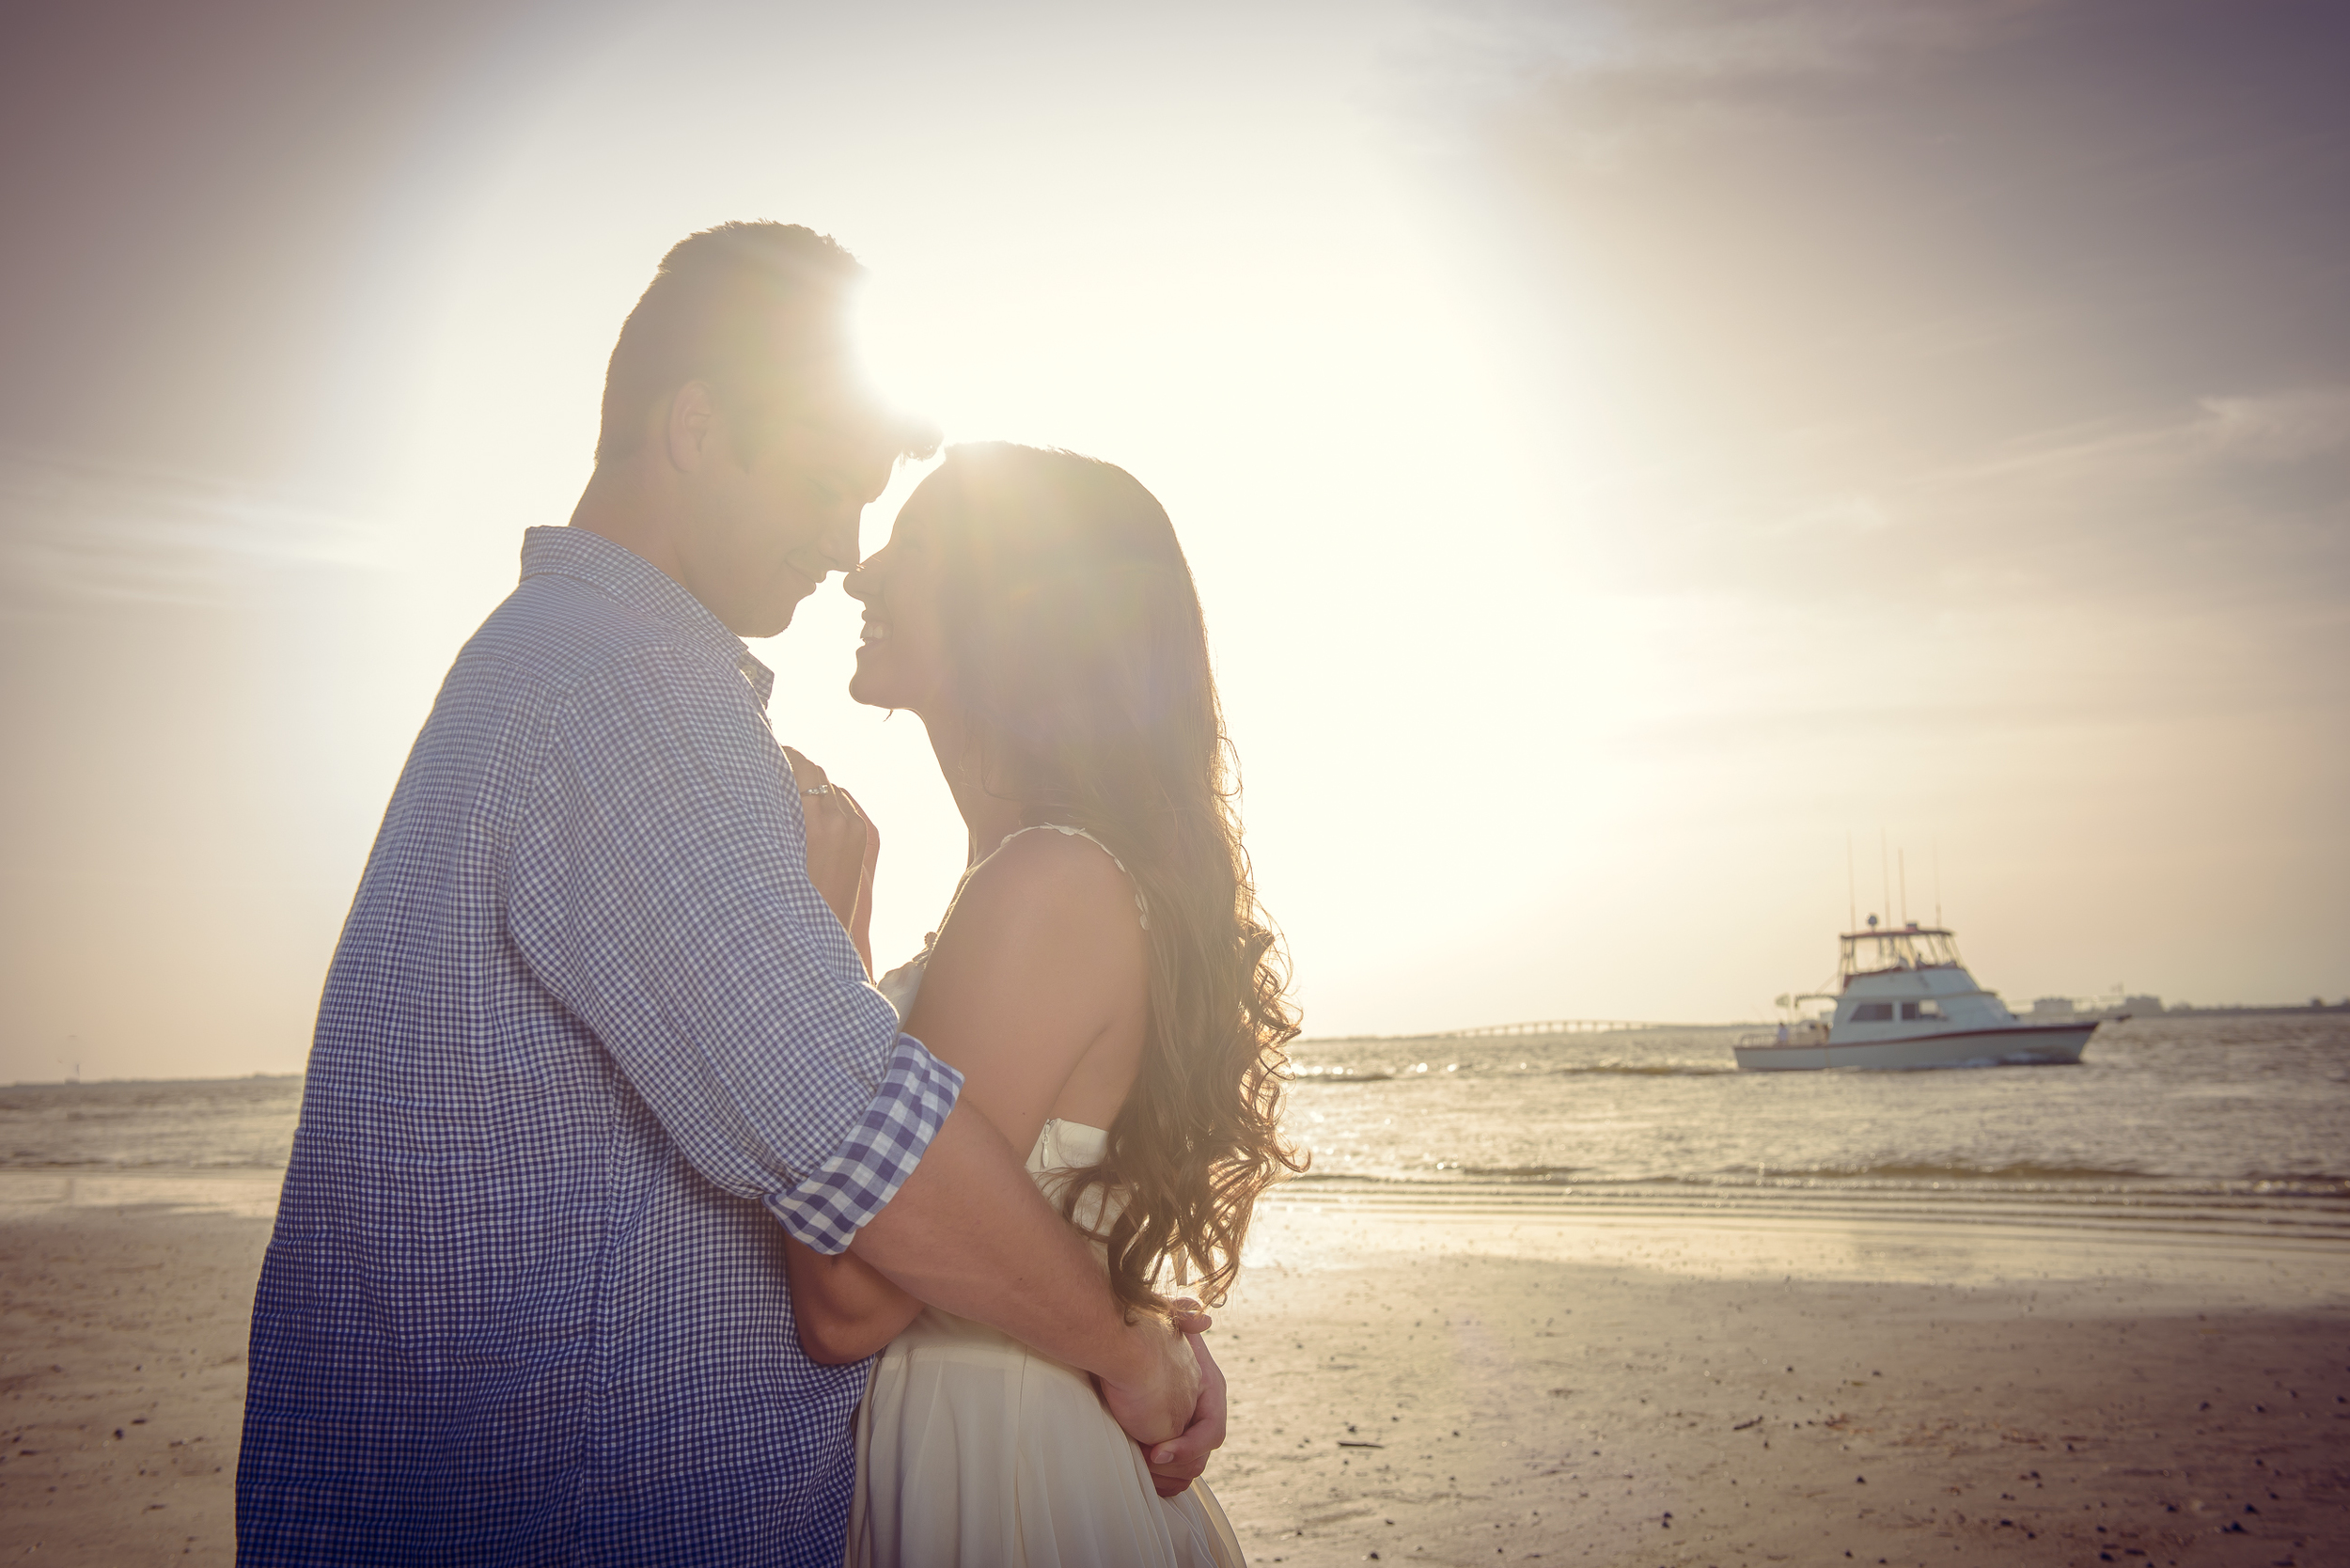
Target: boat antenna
[1885,872]
[1937,881]
[1902,858]
[1851,889]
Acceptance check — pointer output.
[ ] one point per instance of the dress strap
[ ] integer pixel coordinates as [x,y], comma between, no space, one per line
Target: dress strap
[1142,910]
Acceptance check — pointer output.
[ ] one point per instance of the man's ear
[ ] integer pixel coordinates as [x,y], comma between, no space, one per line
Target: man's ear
[688,424]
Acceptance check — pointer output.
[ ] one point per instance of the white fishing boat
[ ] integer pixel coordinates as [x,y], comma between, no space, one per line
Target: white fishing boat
[1903,999]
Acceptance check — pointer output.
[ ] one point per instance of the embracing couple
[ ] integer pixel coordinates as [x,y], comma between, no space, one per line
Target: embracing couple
[616,1170]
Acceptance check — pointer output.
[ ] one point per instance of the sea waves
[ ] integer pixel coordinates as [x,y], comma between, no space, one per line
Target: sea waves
[2316,1224]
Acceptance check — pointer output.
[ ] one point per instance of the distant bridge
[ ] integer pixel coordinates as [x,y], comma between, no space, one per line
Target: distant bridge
[1546,1028]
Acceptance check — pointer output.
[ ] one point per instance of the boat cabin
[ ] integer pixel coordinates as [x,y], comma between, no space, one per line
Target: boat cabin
[1898,983]
[1876,952]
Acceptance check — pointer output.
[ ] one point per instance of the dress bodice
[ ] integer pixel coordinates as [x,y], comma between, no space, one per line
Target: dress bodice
[1062,1146]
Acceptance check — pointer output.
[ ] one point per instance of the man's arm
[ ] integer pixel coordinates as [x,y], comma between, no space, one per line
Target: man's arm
[945,1241]
[969,1234]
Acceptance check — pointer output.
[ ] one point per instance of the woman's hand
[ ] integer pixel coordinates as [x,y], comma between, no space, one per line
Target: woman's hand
[1156,1401]
[1176,1464]
[843,846]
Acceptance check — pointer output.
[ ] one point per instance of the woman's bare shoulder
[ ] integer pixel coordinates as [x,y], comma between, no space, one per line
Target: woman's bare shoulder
[1041,954]
[1048,900]
[1052,876]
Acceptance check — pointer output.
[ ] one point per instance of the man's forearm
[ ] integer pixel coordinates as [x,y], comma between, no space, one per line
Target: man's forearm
[969,1234]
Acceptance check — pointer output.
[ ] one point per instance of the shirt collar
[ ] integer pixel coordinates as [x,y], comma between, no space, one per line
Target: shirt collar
[587,556]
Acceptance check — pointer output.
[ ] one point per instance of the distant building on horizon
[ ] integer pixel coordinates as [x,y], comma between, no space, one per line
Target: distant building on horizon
[2058,1008]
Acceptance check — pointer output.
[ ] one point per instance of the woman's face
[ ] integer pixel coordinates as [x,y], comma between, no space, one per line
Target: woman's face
[901,662]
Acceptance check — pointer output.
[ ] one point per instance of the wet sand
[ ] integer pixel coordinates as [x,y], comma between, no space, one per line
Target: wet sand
[1644,1387]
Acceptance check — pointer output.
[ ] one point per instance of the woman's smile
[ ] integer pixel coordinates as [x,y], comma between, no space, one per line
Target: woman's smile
[900,653]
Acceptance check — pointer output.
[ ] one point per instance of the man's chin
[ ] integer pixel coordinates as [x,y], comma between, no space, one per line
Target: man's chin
[771,619]
[765,624]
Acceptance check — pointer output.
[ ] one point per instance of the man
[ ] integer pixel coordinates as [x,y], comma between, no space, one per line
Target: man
[593,1039]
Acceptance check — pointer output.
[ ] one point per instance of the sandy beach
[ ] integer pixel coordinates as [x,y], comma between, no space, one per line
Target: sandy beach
[1433,1382]
[1686,1410]
[122,1339]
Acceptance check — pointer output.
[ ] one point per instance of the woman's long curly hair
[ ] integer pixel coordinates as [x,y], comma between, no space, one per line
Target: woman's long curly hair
[1080,660]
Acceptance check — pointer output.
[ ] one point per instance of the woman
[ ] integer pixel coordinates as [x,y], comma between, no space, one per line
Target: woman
[1103,979]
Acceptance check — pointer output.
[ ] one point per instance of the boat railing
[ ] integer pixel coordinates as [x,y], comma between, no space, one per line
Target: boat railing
[1811,1031]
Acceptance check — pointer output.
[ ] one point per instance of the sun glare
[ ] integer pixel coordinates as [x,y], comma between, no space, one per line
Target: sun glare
[1605,491]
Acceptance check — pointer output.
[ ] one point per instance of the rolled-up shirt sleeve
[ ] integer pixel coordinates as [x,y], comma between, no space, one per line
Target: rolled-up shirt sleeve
[660,891]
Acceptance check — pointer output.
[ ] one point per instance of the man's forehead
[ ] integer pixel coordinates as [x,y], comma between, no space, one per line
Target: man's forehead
[859,446]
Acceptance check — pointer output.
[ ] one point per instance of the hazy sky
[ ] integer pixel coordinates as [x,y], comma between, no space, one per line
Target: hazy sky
[1625,450]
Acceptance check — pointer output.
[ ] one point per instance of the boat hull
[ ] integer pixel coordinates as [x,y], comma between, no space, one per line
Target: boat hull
[2023,1046]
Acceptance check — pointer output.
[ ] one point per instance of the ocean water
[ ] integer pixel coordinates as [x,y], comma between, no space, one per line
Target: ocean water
[201,1124]
[2252,1107]
[2207,1157]
[2234,1112]
[219,1145]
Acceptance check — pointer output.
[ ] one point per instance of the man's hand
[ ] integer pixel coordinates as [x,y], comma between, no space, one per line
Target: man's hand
[1175,1464]
[837,833]
[1154,1403]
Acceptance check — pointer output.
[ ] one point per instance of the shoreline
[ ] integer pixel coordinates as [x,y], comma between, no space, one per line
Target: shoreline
[2293,1217]
[1526,1033]
[1621,1384]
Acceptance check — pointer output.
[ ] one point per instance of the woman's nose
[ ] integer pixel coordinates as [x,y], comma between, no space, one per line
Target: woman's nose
[861,582]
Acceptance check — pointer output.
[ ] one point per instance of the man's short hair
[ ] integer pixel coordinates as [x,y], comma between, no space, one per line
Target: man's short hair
[758,311]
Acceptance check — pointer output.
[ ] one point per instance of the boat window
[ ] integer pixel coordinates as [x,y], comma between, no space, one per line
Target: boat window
[1921,1010]
[1872,1013]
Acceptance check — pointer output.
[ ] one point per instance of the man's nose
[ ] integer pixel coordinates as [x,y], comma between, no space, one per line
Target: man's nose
[838,544]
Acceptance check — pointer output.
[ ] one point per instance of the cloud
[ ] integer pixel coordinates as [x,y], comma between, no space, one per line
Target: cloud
[2277,427]
[1858,303]
[1722,39]
[77,537]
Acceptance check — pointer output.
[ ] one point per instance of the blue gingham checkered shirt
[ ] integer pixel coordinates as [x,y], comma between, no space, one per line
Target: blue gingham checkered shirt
[591,1042]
